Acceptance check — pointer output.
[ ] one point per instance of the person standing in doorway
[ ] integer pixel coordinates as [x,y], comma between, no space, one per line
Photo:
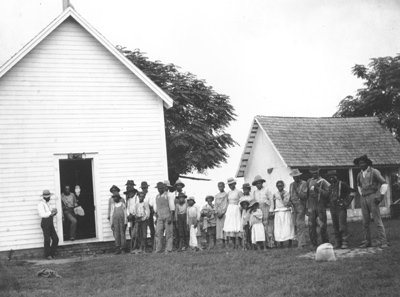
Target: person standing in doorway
[298,198]
[317,197]
[69,202]
[339,200]
[372,188]
[49,233]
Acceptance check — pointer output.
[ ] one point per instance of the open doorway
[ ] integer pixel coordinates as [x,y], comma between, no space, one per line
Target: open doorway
[73,173]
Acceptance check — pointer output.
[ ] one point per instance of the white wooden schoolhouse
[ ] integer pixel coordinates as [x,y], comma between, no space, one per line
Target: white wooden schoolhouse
[276,145]
[74,110]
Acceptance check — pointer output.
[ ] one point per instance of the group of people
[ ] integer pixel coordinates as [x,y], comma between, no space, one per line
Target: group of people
[258,219]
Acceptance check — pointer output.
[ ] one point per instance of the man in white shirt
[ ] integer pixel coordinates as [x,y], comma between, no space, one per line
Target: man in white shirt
[49,233]
[372,188]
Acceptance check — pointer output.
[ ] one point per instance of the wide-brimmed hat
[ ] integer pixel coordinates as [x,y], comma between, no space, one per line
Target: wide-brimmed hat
[295,172]
[160,185]
[130,182]
[244,199]
[144,184]
[130,190]
[181,195]
[314,170]
[209,197]
[246,186]
[168,184]
[46,194]
[257,179]
[363,158]
[253,203]
[331,172]
[191,198]
[179,182]
[114,188]
[231,180]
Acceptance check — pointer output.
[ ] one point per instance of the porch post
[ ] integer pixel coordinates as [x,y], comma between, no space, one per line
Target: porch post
[351,180]
[388,195]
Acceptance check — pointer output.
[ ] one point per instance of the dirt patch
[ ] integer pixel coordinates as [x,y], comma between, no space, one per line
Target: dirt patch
[347,253]
[44,262]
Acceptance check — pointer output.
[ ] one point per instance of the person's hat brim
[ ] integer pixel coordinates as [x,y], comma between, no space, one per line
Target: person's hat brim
[257,181]
[364,158]
[47,195]
[254,203]
[244,201]
[295,172]
[209,198]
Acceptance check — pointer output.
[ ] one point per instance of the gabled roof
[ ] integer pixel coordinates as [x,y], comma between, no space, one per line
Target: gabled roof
[70,12]
[325,142]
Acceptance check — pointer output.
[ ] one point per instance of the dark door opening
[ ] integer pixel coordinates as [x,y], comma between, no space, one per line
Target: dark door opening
[79,172]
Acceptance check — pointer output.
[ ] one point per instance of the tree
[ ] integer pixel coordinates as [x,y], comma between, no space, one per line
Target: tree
[195,125]
[380,96]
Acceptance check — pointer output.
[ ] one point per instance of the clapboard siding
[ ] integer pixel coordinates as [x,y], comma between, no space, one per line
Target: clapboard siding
[71,95]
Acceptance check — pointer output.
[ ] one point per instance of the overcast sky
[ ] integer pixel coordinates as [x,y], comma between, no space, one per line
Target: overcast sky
[286,58]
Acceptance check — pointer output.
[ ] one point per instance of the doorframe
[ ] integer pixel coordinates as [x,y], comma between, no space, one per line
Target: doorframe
[96,195]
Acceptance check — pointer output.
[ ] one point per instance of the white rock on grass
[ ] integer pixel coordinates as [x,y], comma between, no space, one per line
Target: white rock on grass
[325,253]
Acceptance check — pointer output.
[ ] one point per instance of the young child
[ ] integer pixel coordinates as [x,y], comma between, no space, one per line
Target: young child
[209,224]
[181,222]
[118,219]
[142,213]
[244,205]
[257,227]
[193,218]
[246,188]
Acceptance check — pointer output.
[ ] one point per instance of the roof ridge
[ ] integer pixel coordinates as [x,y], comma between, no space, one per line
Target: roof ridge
[297,117]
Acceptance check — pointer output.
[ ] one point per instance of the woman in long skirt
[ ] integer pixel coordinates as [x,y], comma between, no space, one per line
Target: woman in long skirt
[283,222]
[232,224]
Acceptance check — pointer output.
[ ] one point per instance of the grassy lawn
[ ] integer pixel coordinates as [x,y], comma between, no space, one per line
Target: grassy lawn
[220,273]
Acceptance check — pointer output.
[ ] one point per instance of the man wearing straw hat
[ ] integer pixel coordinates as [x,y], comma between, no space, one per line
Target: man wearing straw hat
[49,233]
[372,188]
[264,198]
[298,198]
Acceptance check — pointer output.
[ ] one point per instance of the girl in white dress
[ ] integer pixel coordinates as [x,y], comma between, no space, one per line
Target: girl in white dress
[283,222]
[232,224]
[256,225]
